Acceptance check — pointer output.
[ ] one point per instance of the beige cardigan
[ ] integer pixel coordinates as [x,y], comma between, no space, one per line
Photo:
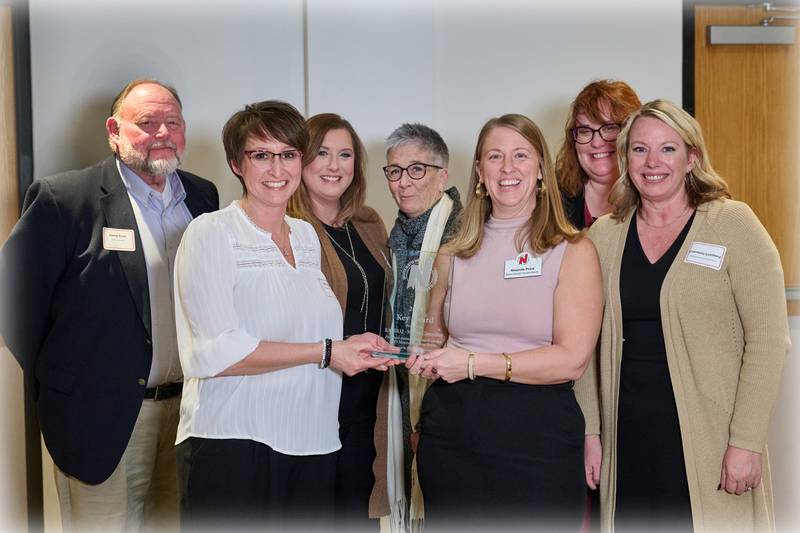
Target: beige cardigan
[726,337]
[371,229]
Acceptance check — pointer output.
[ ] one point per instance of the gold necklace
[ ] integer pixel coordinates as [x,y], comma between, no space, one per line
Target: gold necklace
[671,222]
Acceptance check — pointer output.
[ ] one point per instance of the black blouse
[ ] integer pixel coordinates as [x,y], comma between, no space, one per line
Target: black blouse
[356,257]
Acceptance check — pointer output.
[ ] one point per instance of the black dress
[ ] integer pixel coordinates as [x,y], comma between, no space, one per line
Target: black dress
[574,207]
[652,490]
[354,476]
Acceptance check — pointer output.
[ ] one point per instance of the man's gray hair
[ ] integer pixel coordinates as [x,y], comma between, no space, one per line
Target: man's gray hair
[421,135]
[116,105]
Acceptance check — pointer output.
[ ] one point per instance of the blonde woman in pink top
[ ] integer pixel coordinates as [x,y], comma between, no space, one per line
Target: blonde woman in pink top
[501,434]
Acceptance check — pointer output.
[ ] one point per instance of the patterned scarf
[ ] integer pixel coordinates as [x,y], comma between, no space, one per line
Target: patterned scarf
[405,241]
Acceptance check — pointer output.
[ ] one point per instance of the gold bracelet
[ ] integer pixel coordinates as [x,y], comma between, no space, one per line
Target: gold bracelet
[471,366]
[508,366]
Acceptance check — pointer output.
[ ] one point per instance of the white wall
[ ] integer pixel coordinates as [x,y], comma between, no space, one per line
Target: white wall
[453,65]
[450,64]
[83,52]
[784,437]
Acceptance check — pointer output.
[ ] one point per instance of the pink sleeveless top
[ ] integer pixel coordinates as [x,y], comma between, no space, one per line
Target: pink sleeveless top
[488,313]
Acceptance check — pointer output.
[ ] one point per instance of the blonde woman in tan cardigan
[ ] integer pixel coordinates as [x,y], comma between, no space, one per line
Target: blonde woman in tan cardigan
[693,342]
[355,263]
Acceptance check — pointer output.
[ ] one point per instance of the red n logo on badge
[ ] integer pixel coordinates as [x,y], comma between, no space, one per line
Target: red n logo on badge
[522,260]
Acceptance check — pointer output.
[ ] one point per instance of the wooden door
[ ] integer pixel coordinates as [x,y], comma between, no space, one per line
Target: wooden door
[13,501]
[747,99]
[9,192]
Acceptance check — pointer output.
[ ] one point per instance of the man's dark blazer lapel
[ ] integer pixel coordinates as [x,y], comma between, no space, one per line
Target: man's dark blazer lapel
[118,213]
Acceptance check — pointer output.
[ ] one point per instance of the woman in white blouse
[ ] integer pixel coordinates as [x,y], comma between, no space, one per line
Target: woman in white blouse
[258,333]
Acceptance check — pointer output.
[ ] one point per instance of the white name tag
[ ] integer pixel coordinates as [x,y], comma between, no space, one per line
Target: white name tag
[706,255]
[119,240]
[525,265]
[326,288]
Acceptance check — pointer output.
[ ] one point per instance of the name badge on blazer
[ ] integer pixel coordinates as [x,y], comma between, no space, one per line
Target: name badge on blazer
[119,240]
[706,255]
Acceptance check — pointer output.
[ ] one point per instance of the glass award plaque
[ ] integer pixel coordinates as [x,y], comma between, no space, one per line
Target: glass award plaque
[419,306]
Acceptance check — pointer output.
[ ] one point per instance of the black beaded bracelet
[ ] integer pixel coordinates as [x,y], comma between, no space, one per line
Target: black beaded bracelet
[326,353]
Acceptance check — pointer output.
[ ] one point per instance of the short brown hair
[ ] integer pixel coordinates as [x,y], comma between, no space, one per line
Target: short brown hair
[353,197]
[548,225]
[612,96]
[702,184]
[270,119]
[117,103]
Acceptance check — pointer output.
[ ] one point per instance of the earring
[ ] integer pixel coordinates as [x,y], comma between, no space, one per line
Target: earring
[478,192]
[541,188]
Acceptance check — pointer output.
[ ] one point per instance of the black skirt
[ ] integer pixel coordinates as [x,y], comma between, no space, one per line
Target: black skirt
[501,455]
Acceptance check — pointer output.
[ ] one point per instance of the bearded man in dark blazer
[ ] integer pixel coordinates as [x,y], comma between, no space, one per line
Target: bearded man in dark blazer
[88,313]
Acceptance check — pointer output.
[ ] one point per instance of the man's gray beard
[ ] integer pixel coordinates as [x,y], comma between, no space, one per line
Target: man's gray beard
[162,167]
[138,162]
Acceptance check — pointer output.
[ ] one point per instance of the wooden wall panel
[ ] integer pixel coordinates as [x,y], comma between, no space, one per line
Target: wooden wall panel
[9,192]
[13,501]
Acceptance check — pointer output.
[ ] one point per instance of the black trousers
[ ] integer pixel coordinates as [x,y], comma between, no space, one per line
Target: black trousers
[354,476]
[242,484]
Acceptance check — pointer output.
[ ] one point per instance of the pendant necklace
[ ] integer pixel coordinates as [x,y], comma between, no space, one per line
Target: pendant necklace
[352,256]
[271,235]
[288,239]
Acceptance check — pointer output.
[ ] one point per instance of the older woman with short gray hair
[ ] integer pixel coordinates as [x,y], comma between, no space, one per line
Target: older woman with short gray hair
[416,172]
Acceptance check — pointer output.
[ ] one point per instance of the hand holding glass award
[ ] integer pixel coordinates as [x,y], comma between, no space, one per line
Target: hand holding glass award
[419,309]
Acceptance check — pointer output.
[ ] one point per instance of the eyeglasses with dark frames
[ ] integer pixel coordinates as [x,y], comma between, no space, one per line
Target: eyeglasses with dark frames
[608,132]
[261,158]
[415,171]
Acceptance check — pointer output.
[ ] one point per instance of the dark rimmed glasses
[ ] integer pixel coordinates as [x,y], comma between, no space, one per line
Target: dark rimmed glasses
[262,158]
[415,171]
[608,132]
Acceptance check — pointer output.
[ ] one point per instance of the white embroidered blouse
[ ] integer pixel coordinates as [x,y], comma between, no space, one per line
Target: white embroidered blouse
[233,289]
